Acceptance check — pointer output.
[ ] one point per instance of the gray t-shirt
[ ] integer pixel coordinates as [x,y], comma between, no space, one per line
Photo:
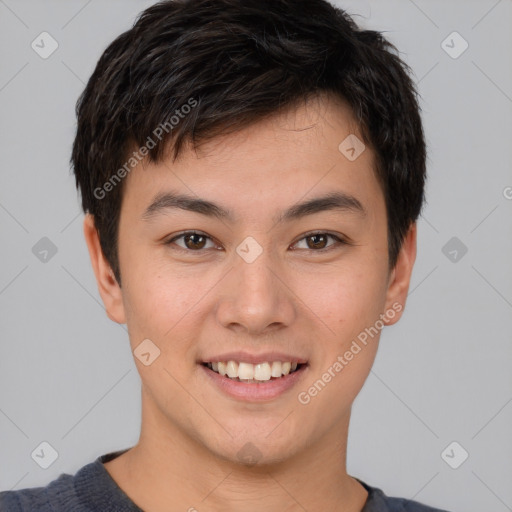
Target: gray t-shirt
[92,489]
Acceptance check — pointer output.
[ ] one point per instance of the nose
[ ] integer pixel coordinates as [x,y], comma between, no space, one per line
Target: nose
[256,298]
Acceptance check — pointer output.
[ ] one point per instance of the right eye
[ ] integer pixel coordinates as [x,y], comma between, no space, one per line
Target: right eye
[193,241]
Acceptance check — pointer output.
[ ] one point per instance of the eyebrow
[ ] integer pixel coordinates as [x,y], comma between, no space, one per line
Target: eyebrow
[166,201]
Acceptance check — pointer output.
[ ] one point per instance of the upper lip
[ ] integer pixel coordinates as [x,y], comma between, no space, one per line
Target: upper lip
[247,357]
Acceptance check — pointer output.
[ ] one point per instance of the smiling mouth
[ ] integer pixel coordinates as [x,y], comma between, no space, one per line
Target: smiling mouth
[254,373]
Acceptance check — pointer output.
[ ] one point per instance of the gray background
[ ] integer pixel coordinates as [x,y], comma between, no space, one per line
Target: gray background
[442,373]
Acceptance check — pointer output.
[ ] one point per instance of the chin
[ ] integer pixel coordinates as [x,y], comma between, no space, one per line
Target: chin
[256,447]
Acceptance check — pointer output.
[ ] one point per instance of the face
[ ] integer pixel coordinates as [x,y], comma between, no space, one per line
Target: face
[255,276]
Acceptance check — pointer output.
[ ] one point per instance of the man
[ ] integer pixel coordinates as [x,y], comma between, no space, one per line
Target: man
[251,173]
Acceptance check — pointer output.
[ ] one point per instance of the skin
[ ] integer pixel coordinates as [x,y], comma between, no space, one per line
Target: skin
[293,298]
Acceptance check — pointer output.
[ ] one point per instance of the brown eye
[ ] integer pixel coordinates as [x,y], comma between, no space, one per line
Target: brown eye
[191,241]
[194,241]
[318,242]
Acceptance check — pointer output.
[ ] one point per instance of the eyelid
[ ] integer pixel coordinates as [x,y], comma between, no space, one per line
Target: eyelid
[189,232]
[340,239]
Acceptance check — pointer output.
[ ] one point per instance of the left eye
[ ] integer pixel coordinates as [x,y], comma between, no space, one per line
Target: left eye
[319,241]
[194,241]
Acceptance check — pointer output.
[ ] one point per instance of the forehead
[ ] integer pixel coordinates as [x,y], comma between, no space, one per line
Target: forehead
[299,152]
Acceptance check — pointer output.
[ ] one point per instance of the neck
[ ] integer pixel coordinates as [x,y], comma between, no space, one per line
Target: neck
[168,469]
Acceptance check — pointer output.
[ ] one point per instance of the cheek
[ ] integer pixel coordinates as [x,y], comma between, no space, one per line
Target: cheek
[349,306]
[169,309]
[346,301]
[162,305]
[152,303]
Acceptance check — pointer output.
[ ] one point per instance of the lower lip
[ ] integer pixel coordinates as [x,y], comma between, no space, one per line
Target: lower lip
[255,392]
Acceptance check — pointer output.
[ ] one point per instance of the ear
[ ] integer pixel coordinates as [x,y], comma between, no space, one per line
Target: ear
[109,290]
[400,277]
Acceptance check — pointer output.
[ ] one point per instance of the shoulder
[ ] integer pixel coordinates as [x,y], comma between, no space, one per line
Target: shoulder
[66,492]
[378,502]
[405,505]
[57,494]
[90,488]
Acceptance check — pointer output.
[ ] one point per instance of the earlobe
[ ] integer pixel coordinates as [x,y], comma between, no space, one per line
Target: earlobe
[108,287]
[400,277]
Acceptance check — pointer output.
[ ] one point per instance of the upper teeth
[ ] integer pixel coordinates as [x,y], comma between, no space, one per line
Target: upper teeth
[248,371]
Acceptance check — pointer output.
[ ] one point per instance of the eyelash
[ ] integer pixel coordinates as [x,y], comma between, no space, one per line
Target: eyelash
[340,241]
